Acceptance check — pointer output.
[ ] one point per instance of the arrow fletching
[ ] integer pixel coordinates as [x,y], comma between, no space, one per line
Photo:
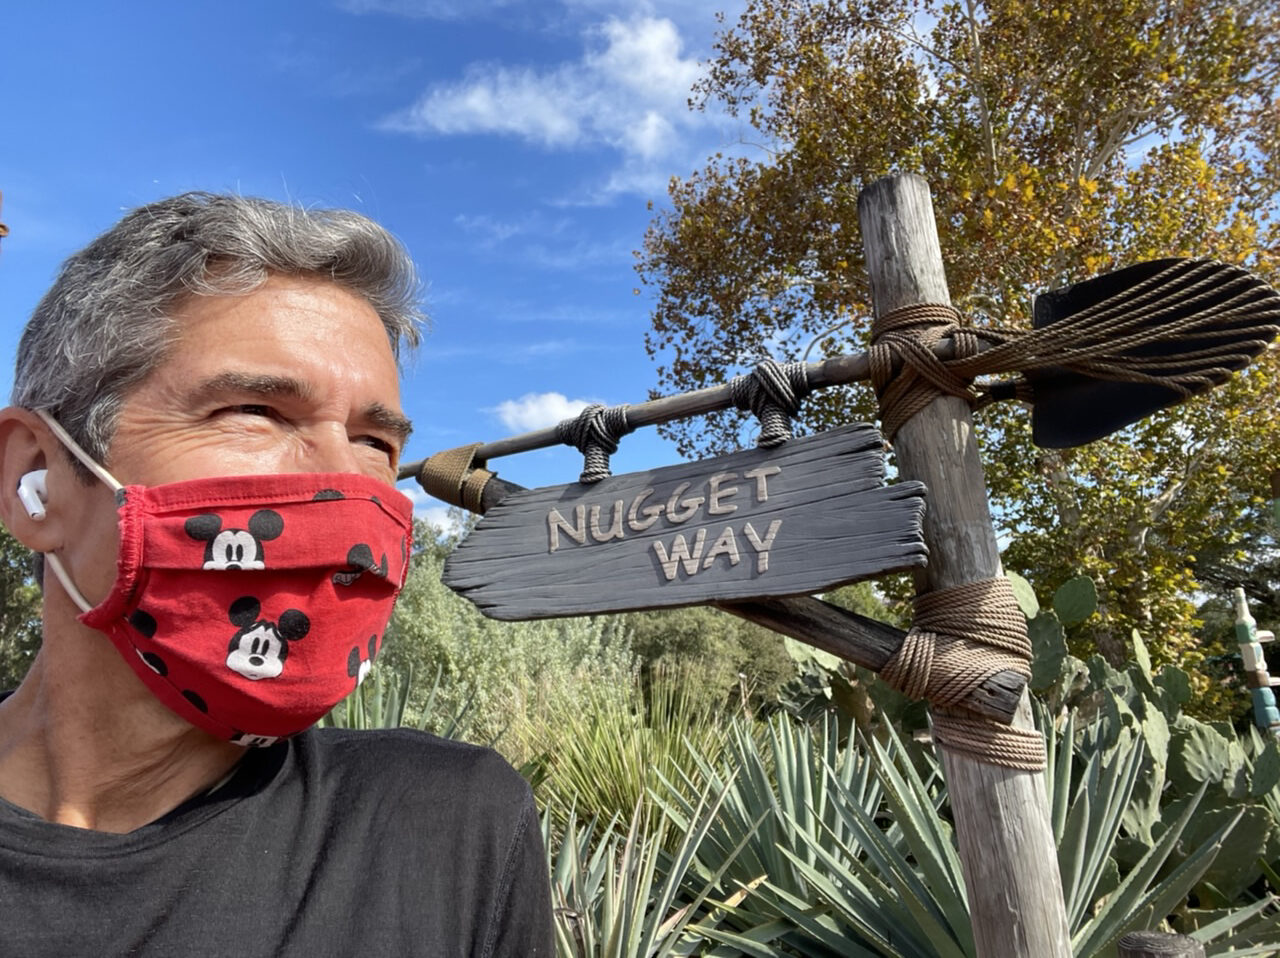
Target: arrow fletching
[1111,350]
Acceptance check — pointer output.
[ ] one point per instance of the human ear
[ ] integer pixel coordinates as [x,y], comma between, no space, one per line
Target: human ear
[26,449]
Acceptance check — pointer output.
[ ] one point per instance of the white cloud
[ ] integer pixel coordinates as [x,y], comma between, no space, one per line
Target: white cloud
[537,410]
[490,231]
[628,92]
[425,506]
[495,99]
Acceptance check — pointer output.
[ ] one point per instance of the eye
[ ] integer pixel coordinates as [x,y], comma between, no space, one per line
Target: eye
[249,409]
[385,446]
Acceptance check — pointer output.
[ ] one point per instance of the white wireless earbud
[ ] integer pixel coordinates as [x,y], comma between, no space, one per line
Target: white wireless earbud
[33,494]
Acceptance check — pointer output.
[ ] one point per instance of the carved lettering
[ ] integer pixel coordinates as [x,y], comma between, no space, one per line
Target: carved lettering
[715,494]
[761,475]
[610,521]
[690,505]
[762,546]
[680,554]
[651,513]
[726,545]
[557,523]
[615,527]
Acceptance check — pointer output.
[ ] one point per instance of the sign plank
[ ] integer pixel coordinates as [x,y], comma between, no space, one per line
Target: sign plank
[805,516]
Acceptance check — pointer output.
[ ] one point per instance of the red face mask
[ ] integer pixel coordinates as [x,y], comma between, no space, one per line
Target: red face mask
[251,605]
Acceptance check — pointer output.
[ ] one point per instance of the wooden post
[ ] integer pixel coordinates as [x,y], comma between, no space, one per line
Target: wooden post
[1155,944]
[1002,819]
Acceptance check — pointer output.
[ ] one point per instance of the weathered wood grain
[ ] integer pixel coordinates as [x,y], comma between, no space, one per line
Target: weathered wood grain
[802,517]
[1158,944]
[865,641]
[1002,821]
[845,634]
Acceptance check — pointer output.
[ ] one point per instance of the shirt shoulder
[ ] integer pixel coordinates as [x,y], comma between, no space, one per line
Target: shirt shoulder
[417,771]
[394,755]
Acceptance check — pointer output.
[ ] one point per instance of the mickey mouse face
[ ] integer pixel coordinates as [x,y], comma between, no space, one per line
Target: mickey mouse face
[259,649]
[235,548]
[359,561]
[358,667]
[258,653]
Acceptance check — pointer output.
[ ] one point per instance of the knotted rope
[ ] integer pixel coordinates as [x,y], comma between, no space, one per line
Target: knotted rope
[595,433]
[774,392]
[454,476]
[908,335]
[961,637]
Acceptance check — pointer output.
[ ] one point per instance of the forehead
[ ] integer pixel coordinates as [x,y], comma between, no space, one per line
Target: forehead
[294,324]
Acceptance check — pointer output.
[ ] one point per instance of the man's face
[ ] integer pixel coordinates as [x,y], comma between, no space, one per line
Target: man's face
[297,376]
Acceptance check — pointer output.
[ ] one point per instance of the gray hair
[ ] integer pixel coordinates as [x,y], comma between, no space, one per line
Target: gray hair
[108,320]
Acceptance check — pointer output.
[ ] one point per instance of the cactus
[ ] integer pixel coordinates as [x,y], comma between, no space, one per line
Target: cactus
[1238,780]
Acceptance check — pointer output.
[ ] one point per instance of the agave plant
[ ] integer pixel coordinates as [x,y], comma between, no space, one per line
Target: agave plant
[848,851]
[856,858]
[1087,817]
[606,749]
[622,895]
[382,700]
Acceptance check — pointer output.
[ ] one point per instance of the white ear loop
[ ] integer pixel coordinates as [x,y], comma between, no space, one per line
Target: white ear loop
[88,462]
[74,448]
[54,563]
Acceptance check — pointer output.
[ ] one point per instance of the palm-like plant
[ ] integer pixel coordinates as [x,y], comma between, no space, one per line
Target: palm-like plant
[382,701]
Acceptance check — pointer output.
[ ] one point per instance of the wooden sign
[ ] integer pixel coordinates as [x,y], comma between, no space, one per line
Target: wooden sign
[796,519]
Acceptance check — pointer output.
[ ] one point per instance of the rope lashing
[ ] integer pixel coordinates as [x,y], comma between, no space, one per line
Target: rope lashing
[773,391]
[908,335]
[1144,333]
[1223,306]
[961,637]
[595,433]
[988,740]
[454,476]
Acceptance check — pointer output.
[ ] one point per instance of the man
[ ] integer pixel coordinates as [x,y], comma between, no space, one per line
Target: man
[205,428]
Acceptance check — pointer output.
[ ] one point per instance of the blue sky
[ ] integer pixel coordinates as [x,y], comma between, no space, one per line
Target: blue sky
[513,147]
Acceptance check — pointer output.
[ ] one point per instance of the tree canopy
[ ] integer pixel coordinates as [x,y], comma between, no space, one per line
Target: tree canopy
[19,611]
[1060,140]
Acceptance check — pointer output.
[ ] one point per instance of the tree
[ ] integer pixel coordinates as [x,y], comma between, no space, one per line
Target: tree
[19,611]
[1060,140]
[720,657]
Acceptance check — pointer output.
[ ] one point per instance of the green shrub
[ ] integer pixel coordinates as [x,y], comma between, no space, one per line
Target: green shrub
[499,670]
[604,750]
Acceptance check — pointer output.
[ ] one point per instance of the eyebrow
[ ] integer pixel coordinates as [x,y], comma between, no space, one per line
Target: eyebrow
[270,386]
[255,384]
[384,418]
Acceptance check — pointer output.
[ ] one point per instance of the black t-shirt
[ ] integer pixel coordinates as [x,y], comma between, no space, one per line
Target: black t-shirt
[332,843]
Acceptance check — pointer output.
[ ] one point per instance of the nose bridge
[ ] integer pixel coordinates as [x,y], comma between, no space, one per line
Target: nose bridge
[329,449]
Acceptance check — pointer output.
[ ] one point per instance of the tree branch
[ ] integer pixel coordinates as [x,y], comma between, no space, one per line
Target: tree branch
[975,78]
